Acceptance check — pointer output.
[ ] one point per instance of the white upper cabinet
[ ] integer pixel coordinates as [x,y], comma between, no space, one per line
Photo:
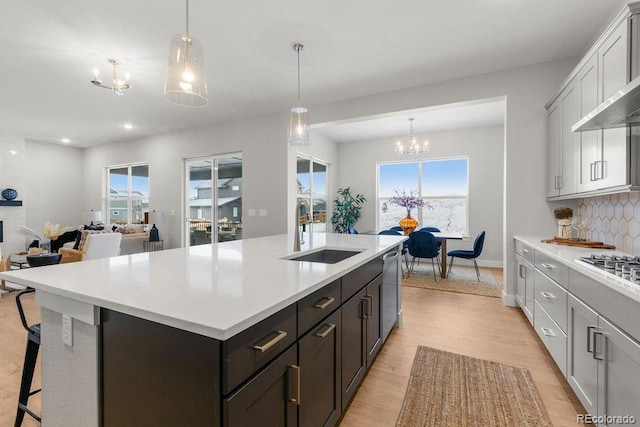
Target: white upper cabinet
[613,60]
[590,141]
[595,161]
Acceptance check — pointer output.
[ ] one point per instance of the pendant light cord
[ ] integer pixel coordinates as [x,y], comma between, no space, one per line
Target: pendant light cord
[187,19]
[298,50]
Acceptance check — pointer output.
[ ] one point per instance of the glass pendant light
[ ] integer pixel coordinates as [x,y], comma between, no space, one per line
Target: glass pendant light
[186,83]
[298,133]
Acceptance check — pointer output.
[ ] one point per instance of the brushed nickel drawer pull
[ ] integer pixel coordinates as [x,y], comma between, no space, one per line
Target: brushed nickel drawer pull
[525,250]
[549,266]
[296,399]
[548,295]
[328,301]
[266,346]
[330,327]
[547,332]
[590,330]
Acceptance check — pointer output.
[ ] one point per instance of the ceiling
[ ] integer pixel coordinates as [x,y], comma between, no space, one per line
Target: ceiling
[352,48]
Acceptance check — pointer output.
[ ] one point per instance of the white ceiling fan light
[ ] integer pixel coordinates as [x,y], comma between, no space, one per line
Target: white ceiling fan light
[186,83]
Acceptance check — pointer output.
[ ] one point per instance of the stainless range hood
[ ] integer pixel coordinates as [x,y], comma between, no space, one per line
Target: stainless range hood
[621,109]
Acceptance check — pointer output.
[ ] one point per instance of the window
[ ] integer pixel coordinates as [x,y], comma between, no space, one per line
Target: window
[128,194]
[312,186]
[442,184]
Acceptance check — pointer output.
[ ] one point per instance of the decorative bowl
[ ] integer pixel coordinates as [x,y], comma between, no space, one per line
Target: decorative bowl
[9,194]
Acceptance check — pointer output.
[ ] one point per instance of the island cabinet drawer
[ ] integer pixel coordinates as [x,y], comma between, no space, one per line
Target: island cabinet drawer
[552,268]
[315,307]
[353,281]
[524,250]
[552,336]
[245,353]
[552,297]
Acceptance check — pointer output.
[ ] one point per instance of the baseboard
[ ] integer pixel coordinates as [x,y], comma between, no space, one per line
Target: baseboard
[509,300]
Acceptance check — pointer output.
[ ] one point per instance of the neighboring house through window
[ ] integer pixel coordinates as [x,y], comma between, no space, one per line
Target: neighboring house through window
[312,186]
[442,184]
[127,193]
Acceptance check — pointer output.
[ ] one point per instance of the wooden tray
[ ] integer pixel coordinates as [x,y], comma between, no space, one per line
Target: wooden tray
[579,243]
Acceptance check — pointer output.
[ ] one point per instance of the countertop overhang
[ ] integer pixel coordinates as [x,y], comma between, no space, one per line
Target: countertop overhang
[216,290]
[569,255]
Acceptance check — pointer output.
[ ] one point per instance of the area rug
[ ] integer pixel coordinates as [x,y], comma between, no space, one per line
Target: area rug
[448,389]
[462,279]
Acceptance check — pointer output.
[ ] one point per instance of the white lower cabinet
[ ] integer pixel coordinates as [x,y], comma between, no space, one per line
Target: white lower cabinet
[603,366]
[524,286]
[554,339]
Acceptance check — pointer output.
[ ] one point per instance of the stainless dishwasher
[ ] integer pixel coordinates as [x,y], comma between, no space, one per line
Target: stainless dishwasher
[389,292]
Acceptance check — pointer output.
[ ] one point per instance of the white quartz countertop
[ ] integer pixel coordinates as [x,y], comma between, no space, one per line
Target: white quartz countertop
[214,290]
[569,254]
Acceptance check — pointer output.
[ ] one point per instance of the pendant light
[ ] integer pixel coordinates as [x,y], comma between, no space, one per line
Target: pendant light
[298,133]
[413,147]
[186,83]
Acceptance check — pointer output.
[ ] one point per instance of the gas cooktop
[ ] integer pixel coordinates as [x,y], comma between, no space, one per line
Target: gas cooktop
[622,266]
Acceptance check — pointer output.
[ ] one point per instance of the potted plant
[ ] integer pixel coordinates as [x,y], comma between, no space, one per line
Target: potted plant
[346,210]
[563,215]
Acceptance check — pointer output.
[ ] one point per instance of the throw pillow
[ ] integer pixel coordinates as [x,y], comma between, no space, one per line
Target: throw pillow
[94,227]
[85,233]
[78,238]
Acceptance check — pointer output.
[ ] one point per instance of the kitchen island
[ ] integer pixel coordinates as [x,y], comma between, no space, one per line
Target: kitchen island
[165,334]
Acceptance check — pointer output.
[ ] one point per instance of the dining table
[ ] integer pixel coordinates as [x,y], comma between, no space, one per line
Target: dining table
[442,237]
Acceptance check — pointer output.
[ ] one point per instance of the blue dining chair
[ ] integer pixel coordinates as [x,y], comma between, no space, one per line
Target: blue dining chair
[422,244]
[396,228]
[352,230]
[432,230]
[469,254]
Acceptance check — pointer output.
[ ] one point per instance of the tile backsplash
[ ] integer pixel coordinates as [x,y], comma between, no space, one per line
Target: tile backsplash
[614,220]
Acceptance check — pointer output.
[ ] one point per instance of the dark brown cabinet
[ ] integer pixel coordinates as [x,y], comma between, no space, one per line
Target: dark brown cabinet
[373,318]
[268,399]
[153,374]
[319,357]
[354,356]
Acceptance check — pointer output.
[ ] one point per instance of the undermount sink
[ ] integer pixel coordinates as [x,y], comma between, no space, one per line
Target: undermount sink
[325,256]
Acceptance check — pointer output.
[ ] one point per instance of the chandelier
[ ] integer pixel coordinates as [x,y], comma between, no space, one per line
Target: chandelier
[186,83]
[117,85]
[413,146]
[298,133]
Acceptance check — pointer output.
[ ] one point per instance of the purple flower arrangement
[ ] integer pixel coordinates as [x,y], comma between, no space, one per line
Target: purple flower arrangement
[407,201]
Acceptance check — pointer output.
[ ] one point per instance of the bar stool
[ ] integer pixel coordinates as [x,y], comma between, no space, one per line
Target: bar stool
[30,357]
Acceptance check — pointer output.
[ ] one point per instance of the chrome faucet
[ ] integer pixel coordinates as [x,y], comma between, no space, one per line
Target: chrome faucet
[296,236]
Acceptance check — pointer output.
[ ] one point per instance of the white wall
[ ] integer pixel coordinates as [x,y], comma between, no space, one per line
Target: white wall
[527,90]
[485,149]
[264,186]
[53,185]
[13,168]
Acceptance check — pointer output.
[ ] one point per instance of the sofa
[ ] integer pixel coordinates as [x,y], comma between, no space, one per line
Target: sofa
[133,236]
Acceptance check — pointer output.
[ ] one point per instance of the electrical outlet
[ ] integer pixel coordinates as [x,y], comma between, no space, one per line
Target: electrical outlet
[67,330]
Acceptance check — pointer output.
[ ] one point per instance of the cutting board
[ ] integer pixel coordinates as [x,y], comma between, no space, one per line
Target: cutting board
[579,243]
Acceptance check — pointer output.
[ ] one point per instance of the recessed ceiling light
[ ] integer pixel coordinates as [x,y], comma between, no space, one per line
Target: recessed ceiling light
[14,152]
[65,140]
[128,126]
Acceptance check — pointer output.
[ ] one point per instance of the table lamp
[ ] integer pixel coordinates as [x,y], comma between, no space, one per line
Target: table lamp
[155,217]
[93,216]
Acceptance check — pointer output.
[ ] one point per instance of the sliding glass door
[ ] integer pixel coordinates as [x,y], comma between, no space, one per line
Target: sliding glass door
[213,204]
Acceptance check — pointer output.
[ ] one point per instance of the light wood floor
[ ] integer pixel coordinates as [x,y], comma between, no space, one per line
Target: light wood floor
[472,325]
[467,324]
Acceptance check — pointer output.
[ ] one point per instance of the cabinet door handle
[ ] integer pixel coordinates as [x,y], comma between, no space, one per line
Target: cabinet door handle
[559,182]
[364,307]
[547,332]
[591,178]
[266,346]
[330,327]
[296,399]
[548,295]
[370,308]
[523,271]
[589,331]
[327,302]
[595,344]
[548,266]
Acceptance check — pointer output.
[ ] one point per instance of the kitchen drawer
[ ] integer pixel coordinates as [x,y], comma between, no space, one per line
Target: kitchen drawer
[250,350]
[525,250]
[353,281]
[315,307]
[552,268]
[552,297]
[552,336]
